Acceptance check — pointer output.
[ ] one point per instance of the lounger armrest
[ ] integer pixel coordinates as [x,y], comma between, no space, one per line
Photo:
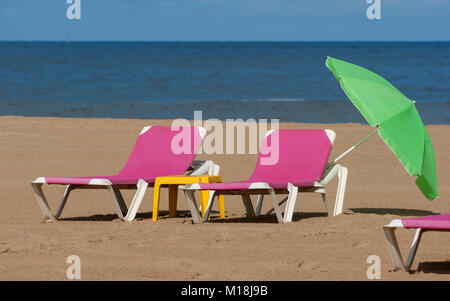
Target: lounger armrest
[196,164]
[395,223]
[39,180]
[201,167]
[330,172]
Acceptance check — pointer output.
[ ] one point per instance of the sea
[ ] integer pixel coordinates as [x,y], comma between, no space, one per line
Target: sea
[225,80]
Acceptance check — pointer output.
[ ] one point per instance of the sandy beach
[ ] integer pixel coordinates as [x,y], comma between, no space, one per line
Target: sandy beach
[312,247]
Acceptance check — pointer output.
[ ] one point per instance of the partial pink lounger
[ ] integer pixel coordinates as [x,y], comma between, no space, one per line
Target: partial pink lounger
[440,222]
[151,157]
[301,163]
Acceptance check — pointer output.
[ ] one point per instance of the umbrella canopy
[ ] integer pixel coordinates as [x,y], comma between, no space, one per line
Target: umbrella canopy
[396,117]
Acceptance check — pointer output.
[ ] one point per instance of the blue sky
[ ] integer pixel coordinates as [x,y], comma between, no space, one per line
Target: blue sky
[225,20]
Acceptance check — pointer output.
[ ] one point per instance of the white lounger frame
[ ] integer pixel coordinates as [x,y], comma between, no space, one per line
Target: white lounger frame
[198,167]
[394,250]
[262,188]
[124,213]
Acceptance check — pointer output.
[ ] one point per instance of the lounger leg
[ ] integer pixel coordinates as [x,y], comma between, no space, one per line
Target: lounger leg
[279,204]
[63,201]
[259,204]
[42,201]
[290,205]
[342,182]
[196,217]
[394,250]
[248,205]
[123,213]
[120,201]
[117,199]
[276,206]
[137,200]
[326,203]
[413,250]
[207,213]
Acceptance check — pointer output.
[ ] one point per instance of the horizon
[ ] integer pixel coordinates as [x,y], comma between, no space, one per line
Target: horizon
[223,41]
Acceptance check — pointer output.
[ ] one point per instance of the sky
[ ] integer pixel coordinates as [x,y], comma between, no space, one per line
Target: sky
[225,20]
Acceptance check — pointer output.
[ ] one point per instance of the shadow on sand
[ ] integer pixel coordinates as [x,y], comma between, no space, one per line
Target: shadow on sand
[269,219]
[436,267]
[187,214]
[393,211]
[140,216]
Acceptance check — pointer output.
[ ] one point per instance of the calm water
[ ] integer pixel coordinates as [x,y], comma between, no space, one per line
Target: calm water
[288,81]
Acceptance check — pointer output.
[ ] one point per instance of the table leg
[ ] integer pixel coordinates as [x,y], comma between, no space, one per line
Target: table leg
[156,191]
[204,198]
[173,197]
[221,206]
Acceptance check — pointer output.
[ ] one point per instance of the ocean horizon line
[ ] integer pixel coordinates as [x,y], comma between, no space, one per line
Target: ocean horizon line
[225,41]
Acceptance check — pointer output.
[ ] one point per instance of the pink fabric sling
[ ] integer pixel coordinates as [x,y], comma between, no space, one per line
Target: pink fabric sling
[440,221]
[302,158]
[151,157]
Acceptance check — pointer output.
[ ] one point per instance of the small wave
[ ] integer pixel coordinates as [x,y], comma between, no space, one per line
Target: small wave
[276,100]
[220,100]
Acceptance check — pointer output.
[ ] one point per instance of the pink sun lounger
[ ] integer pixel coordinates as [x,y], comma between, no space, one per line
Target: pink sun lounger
[440,222]
[301,165]
[151,157]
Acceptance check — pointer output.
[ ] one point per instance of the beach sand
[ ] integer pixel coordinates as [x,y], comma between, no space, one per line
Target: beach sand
[312,247]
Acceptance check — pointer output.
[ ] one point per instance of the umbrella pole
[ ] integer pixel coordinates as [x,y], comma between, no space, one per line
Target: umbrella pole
[355,146]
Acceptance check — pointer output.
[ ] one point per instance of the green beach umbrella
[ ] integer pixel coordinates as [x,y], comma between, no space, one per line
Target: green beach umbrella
[396,118]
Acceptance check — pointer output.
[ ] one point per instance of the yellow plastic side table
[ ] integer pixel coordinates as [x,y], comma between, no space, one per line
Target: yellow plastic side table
[173,182]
